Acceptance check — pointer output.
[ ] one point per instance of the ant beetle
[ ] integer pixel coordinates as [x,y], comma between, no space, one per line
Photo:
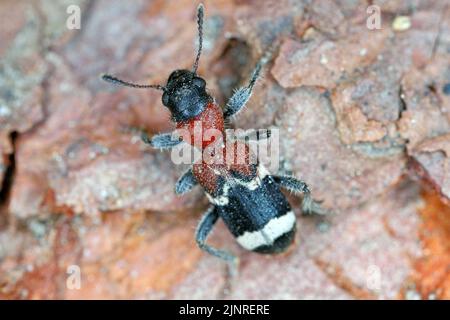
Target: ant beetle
[246,196]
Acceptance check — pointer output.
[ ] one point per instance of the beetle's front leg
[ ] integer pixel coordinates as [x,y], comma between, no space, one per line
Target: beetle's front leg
[309,205]
[241,96]
[162,141]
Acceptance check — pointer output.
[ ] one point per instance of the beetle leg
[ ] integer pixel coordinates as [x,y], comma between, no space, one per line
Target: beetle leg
[203,230]
[186,182]
[241,96]
[161,141]
[309,205]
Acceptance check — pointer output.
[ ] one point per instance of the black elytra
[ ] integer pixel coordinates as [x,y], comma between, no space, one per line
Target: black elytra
[250,210]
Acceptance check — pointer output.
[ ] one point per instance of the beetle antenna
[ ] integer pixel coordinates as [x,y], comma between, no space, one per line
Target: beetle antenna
[200,14]
[112,79]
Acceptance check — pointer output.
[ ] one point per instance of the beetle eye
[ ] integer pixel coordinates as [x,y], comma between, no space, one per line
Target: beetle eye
[199,83]
[165,99]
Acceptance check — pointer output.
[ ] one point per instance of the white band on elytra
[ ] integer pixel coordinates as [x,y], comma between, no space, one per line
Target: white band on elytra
[274,229]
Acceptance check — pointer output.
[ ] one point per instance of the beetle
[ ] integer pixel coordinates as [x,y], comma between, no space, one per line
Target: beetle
[245,196]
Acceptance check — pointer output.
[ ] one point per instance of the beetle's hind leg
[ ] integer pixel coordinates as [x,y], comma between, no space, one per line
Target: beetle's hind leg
[309,205]
[203,230]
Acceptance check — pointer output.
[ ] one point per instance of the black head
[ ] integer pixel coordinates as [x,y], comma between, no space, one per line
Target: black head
[185,95]
[185,92]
